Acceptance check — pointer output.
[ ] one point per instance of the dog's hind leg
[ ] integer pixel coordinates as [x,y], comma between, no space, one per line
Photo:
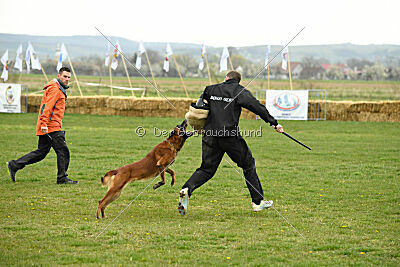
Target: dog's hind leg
[112,194]
[116,196]
[99,212]
[160,183]
[172,173]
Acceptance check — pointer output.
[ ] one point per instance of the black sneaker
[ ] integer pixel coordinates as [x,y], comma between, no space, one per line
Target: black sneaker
[11,171]
[66,180]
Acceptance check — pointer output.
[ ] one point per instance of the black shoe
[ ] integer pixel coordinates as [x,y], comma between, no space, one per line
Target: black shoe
[11,171]
[66,180]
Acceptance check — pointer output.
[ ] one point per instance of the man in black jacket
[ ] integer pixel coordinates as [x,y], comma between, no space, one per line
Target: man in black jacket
[221,134]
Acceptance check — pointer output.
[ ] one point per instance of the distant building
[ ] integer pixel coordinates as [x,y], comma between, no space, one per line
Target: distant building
[276,71]
[342,68]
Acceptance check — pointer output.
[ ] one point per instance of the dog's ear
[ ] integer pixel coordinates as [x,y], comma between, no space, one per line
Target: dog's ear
[112,172]
[188,134]
[184,124]
[175,131]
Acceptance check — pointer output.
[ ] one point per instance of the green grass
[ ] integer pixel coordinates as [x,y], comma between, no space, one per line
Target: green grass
[172,87]
[343,196]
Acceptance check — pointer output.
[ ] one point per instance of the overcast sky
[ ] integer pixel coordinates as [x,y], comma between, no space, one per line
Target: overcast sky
[217,23]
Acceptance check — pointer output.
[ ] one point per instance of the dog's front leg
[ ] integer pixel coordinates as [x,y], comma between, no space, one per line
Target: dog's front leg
[172,173]
[162,182]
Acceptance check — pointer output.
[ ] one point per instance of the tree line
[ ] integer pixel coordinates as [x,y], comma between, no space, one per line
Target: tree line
[307,68]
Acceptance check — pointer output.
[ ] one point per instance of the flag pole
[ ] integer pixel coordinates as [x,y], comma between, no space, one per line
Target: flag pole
[177,68]
[151,71]
[268,78]
[109,71]
[44,73]
[127,75]
[230,63]
[208,68]
[290,73]
[73,71]
[20,73]
[20,77]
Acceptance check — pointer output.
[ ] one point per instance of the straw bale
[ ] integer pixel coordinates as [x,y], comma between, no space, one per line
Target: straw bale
[247,114]
[374,117]
[391,107]
[159,107]
[34,103]
[394,117]
[363,111]
[119,103]
[144,104]
[365,107]
[178,103]
[86,101]
[24,101]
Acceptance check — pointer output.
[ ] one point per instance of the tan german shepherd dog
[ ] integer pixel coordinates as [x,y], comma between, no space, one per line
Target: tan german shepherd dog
[155,163]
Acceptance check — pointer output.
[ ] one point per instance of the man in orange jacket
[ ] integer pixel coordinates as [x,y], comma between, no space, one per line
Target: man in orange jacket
[48,129]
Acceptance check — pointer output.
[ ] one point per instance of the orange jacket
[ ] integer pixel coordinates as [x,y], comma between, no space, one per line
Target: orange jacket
[52,108]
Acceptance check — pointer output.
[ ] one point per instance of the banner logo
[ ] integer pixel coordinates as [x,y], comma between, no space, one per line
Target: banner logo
[9,95]
[286,101]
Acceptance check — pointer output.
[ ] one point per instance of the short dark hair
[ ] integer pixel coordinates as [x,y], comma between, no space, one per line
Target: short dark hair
[233,74]
[64,69]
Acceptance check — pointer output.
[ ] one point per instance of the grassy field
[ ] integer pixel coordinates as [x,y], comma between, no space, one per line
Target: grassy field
[343,196]
[172,87]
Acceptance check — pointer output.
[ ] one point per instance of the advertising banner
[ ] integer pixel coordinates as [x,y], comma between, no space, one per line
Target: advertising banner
[287,104]
[10,98]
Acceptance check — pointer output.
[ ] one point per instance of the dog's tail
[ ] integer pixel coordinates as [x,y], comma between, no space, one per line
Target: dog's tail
[108,178]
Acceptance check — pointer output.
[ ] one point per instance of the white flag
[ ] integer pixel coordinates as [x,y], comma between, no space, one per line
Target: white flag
[4,61]
[18,59]
[107,61]
[35,61]
[168,52]
[28,57]
[141,50]
[203,51]
[4,74]
[62,57]
[267,55]
[138,61]
[285,52]
[32,58]
[4,58]
[223,64]
[166,63]
[114,61]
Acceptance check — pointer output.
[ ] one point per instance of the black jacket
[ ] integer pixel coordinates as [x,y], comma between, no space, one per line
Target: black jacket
[226,101]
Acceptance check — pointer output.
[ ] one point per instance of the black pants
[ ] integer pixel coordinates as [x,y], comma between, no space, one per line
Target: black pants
[213,149]
[55,140]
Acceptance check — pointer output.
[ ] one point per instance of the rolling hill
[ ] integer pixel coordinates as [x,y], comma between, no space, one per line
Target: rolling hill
[79,46]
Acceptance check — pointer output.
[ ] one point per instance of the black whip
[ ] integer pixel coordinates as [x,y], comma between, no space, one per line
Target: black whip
[294,139]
